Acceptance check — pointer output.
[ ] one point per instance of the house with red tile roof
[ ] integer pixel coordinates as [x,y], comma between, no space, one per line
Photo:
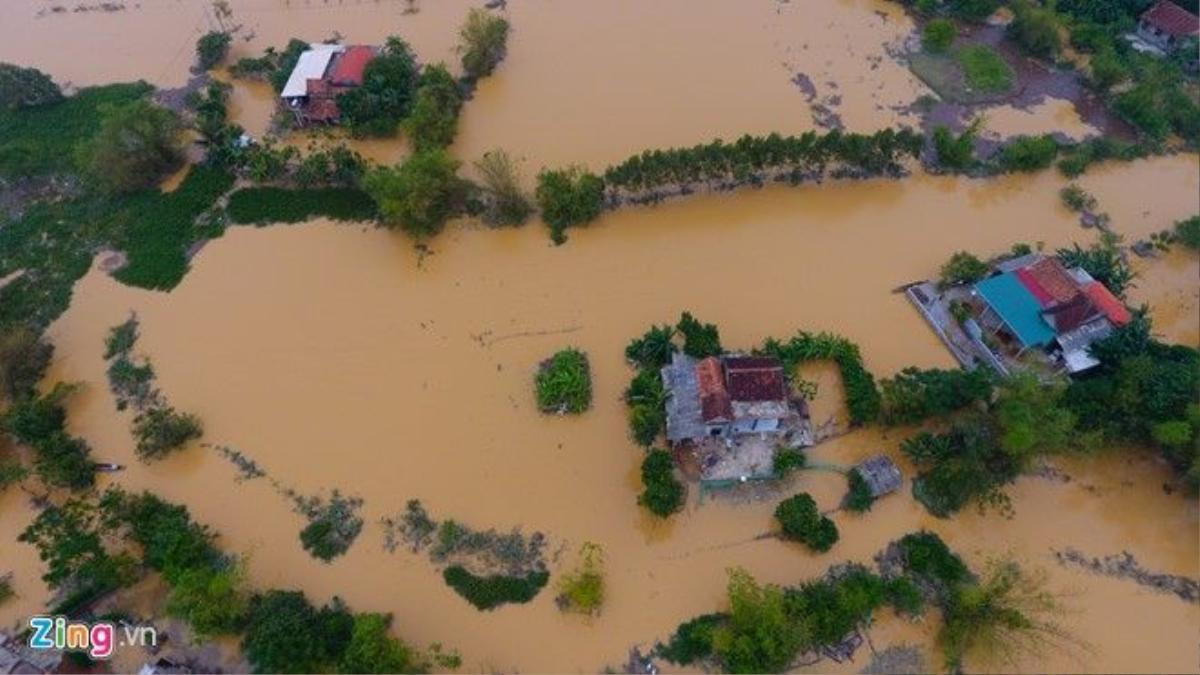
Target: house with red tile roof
[725,396]
[1167,26]
[321,74]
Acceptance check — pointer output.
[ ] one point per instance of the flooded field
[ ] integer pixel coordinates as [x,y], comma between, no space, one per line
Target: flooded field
[336,357]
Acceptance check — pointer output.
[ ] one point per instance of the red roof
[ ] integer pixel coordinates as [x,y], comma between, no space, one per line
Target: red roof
[755,379]
[1108,303]
[1049,281]
[714,398]
[1172,19]
[348,70]
[1067,316]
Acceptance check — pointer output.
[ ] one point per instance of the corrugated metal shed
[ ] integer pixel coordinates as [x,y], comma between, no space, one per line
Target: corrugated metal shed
[881,474]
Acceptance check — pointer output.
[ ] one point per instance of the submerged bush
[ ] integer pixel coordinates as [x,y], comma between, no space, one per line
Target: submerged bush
[567,198]
[663,494]
[489,592]
[483,40]
[801,521]
[265,205]
[211,49]
[159,430]
[858,496]
[564,383]
[582,590]
[938,35]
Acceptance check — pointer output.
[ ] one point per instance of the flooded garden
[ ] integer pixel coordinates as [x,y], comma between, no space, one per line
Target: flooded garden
[341,372]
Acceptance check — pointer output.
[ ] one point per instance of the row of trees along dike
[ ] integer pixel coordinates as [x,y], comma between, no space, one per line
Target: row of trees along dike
[990,618]
[98,543]
[574,196]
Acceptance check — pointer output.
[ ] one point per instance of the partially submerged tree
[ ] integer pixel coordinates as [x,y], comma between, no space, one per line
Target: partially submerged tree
[801,521]
[434,117]
[26,87]
[137,144]
[386,95]
[24,356]
[662,493]
[483,39]
[211,49]
[418,196]
[506,201]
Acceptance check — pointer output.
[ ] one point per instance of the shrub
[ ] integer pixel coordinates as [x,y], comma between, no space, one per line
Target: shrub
[332,527]
[972,10]
[418,196]
[1035,29]
[136,145]
[692,641]
[373,650]
[962,268]
[1077,199]
[984,69]
[1029,153]
[24,357]
[662,493]
[159,430]
[787,460]
[925,555]
[938,35]
[1139,106]
[964,464]
[211,49]
[507,203]
[858,496]
[26,87]
[483,40]
[286,634]
[568,198]
[264,205]
[700,340]
[582,590]
[905,596]
[956,153]
[1107,70]
[1187,231]
[564,383]
[862,396]
[914,395]
[646,422]
[489,592]
[800,520]
[212,601]
[1103,261]
[759,636]
[434,117]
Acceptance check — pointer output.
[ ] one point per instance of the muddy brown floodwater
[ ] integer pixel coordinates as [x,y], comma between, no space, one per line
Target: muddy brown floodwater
[335,358]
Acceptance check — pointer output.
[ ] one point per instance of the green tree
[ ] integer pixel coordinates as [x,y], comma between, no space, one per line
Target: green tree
[568,197]
[972,10]
[1140,107]
[213,601]
[564,383]
[26,87]
[913,394]
[418,196]
[24,356]
[137,144]
[286,634]
[1107,70]
[483,40]
[699,339]
[652,350]
[211,48]
[68,540]
[662,493]
[962,268]
[938,35]
[955,153]
[582,589]
[1035,28]
[161,429]
[506,202]
[1187,231]
[758,636]
[1030,418]
[858,494]
[386,95]
[1103,261]
[434,117]
[372,649]
[801,521]
[1029,153]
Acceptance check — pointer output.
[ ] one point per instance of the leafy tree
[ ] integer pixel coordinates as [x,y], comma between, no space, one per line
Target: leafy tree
[652,350]
[1035,28]
[137,144]
[564,383]
[955,153]
[1187,231]
[171,541]
[60,460]
[662,493]
[1107,70]
[963,464]
[962,268]
[286,634]
[758,636]
[1030,419]
[418,196]
[1140,107]
[160,430]
[925,556]
[1077,199]
[700,340]
[858,495]
[646,422]
[489,592]
[913,394]
[972,10]
[692,641]
[1005,615]
[507,202]
[1029,153]
[801,521]
[483,40]
[938,35]
[1103,261]
[68,541]
[386,95]
[373,650]
[211,48]
[26,87]
[213,601]
[787,460]
[434,117]
[24,356]
[582,590]
[568,197]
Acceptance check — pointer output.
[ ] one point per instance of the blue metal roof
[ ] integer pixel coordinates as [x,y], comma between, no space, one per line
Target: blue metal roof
[1017,307]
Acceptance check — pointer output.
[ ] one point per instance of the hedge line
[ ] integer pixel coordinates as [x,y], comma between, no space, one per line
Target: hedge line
[264,205]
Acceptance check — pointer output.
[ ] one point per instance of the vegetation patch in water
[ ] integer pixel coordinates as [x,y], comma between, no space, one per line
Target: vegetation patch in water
[564,383]
[39,422]
[266,205]
[491,591]
[333,524]
[662,493]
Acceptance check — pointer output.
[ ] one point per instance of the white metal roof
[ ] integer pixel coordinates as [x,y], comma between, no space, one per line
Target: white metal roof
[310,66]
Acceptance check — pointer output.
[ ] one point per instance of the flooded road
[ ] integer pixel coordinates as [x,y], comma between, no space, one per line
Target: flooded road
[335,358]
[326,354]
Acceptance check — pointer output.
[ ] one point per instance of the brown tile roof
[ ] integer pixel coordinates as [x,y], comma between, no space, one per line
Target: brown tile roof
[715,403]
[1072,314]
[322,110]
[755,379]
[1053,278]
[1172,19]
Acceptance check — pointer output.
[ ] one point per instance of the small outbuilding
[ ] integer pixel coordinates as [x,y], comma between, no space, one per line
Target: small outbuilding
[1167,26]
[881,474]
